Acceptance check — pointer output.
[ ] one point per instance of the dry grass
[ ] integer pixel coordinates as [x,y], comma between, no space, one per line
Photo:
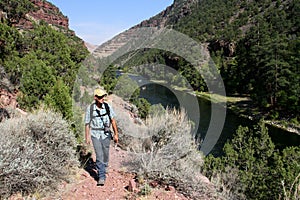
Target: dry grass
[216,98]
[294,192]
[227,186]
[174,158]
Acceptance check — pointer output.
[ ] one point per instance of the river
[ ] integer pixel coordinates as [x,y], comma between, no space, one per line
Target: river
[156,93]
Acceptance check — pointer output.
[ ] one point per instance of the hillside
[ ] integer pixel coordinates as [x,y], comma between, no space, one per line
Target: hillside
[39,60]
[38,52]
[171,15]
[26,13]
[253,44]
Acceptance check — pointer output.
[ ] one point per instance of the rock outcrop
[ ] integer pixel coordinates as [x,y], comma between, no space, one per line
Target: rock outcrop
[228,47]
[44,11]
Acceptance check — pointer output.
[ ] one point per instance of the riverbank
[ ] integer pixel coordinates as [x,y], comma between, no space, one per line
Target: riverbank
[244,107]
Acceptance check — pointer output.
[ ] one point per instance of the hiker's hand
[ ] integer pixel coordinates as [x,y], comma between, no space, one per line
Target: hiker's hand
[88,141]
[116,139]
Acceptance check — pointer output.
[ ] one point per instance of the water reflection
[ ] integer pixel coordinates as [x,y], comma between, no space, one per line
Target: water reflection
[156,94]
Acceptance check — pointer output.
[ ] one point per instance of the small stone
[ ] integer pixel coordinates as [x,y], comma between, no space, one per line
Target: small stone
[170,188]
[153,184]
[84,175]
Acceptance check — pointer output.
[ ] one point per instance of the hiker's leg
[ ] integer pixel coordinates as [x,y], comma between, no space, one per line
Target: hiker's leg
[104,164]
[93,153]
[99,154]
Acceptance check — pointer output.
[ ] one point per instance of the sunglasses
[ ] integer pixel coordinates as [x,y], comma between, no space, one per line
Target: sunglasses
[100,97]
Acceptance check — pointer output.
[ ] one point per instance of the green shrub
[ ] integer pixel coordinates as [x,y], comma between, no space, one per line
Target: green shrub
[126,88]
[257,169]
[37,152]
[37,80]
[156,109]
[60,100]
[143,107]
[145,190]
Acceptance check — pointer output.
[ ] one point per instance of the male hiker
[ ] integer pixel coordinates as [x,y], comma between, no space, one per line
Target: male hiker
[98,118]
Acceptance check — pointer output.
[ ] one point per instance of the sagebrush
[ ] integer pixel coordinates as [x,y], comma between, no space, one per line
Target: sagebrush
[37,152]
[174,158]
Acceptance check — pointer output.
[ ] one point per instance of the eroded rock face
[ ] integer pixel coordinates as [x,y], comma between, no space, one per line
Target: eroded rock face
[228,47]
[8,102]
[44,11]
[50,14]
[7,99]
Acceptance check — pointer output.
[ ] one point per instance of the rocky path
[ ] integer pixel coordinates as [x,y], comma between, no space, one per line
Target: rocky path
[119,185]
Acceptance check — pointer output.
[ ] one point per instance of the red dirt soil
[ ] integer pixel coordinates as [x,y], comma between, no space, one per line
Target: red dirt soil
[84,187]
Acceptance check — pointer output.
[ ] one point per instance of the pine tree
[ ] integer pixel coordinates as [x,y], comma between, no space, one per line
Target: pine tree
[37,80]
[60,100]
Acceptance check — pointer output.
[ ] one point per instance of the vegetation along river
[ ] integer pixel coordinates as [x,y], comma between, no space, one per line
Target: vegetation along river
[156,93]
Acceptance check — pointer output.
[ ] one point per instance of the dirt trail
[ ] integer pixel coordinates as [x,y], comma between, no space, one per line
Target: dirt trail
[116,186]
[84,186]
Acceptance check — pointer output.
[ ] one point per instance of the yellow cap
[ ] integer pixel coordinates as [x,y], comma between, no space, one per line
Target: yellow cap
[98,92]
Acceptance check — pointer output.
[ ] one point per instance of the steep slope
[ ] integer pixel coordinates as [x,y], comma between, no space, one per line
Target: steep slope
[254,45]
[45,11]
[173,13]
[22,15]
[35,39]
[170,15]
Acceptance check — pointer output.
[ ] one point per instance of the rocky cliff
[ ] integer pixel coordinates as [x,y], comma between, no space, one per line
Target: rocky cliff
[40,11]
[49,13]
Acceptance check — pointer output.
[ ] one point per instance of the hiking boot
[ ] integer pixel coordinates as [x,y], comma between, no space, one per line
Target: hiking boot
[100,182]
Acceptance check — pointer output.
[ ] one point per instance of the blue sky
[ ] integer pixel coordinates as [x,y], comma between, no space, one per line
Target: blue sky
[97,21]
